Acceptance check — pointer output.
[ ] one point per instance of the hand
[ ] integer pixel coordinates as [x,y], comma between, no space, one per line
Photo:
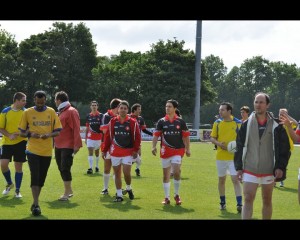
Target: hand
[45,136]
[134,155]
[103,154]
[188,152]
[154,151]
[278,173]
[223,146]
[240,175]
[13,136]
[35,135]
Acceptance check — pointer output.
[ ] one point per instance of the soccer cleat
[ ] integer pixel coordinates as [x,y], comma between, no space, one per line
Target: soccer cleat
[89,171]
[118,199]
[130,193]
[7,189]
[222,206]
[177,200]
[138,172]
[35,210]
[281,184]
[166,201]
[18,194]
[104,191]
[96,169]
[239,208]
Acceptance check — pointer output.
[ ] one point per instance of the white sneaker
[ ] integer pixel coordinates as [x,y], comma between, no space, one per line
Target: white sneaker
[18,195]
[7,189]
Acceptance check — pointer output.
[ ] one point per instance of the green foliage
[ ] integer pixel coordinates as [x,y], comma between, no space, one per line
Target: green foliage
[198,191]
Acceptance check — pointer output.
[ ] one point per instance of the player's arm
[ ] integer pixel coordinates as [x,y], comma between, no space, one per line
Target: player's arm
[147,132]
[186,141]
[154,142]
[284,118]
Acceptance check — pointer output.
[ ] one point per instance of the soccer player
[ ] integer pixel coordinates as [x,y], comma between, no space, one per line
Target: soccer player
[13,144]
[112,112]
[175,142]
[68,143]
[225,130]
[136,110]
[123,140]
[40,124]
[263,151]
[93,135]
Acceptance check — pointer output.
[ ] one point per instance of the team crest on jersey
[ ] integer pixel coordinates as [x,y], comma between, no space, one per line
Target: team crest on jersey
[178,127]
[127,128]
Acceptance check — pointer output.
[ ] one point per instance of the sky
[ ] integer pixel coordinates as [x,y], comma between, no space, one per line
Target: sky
[232,41]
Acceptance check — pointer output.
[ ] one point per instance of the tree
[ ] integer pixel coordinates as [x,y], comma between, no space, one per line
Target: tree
[59,59]
[9,67]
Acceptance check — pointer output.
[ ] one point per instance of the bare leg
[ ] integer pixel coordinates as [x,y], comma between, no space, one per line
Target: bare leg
[267,191]
[249,197]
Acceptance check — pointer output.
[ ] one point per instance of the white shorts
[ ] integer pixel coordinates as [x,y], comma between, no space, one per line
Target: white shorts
[93,144]
[259,180]
[226,167]
[166,162]
[137,159]
[116,161]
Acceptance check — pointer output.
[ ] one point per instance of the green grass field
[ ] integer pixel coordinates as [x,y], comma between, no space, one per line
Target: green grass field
[199,192]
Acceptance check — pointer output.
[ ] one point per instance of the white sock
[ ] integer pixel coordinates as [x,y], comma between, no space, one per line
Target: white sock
[90,158]
[106,180]
[167,189]
[119,193]
[128,187]
[97,162]
[176,186]
[138,161]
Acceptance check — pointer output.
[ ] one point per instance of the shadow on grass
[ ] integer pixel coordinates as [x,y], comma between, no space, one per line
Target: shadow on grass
[184,178]
[31,217]
[93,175]
[56,204]
[11,203]
[124,206]
[175,209]
[286,189]
[229,215]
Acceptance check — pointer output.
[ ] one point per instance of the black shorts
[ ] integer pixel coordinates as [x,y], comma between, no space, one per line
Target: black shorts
[16,150]
[38,166]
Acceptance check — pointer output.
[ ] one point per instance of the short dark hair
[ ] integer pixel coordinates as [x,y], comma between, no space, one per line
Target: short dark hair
[228,106]
[135,107]
[124,102]
[94,101]
[18,96]
[115,103]
[62,96]
[245,108]
[266,96]
[40,94]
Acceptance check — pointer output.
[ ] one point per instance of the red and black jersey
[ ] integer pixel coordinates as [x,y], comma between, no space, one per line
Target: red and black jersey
[93,123]
[140,120]
[122,137]
[171,133]
[106,118]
